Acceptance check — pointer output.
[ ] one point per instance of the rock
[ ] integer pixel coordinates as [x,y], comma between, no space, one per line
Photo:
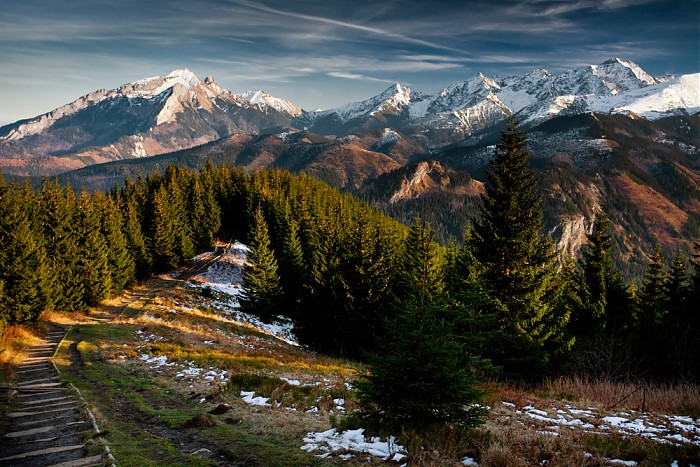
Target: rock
[220,409]
[199,421]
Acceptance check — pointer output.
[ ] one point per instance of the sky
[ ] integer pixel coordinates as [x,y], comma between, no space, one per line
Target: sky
[324,53]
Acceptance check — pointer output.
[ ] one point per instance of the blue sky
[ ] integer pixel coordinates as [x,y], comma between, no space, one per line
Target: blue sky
[323,53]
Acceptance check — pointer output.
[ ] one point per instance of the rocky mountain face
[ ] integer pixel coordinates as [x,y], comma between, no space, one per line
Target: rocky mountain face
[145,118]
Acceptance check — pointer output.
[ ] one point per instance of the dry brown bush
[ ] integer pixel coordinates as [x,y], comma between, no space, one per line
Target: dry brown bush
[678,398]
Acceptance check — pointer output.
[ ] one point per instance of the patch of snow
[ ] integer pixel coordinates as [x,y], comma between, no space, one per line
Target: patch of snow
[469,461]
[354,441]
[388,137]
[622,462]
[291,382]
[249,398]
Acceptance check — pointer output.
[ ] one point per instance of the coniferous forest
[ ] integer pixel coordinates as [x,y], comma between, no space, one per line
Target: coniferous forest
[360,285]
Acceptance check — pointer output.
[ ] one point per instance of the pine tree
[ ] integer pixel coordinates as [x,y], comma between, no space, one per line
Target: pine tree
[130,207]
[93,263]
[518,266]
[204,211]
[262,295]
[163,227]
[58,215]
[176,180]
[420,273]
[680,327]
[294,274]
[121,264]
[650,313]
[420,380]
[603,300]
[24,275]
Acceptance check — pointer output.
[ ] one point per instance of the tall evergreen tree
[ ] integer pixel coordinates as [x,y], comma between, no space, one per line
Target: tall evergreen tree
[163,228]
[294,275]
[651,313]
[262,294]
[58,214]
[680,326]
[93,262]
[24,275]
[603,305]
[420,272]
[122,266]
[131,205]
[518,265]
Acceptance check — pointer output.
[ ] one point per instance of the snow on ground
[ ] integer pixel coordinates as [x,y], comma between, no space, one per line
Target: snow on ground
[673,429]
[186,370]
[330,441]
[225,276]
[250,399]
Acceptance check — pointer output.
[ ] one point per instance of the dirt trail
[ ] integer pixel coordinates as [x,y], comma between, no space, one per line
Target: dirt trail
[47,426]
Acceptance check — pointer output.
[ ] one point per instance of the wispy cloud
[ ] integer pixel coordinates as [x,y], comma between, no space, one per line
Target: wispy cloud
[345,75]
[377,31]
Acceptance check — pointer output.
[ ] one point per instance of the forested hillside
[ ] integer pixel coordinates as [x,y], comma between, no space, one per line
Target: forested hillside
[343,272]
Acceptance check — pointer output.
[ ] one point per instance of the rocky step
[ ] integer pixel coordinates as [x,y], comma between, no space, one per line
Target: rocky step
[46,456]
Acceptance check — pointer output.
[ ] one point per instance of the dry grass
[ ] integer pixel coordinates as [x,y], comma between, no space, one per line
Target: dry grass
[681,399]
[14,342]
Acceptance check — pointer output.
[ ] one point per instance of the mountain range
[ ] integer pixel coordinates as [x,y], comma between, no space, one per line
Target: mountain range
[604,137]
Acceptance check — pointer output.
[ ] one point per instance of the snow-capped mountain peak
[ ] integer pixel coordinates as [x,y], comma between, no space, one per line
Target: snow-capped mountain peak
[186,75]
[394,100]
[263,100]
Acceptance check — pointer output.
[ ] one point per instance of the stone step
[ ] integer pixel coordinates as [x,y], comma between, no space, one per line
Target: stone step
[34,370]
[31,366]
[43,452]
[40,413]
[67,416]
[50,405]
[46,401]
[22,446]
[38,386]
[33,382]
[82,462]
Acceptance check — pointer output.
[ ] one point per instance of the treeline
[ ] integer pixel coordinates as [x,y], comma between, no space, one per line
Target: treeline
[354,281]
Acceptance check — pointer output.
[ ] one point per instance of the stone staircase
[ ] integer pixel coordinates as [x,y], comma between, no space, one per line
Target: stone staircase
[47,426]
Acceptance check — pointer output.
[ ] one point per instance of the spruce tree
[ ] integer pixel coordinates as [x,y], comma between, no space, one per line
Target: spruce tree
[294,274]
[58,214]
[24,275]
[130,207]
[650,314]
[163,231]
[420,272]
[122,266]
[93,263]
[518,265]
[681,324]
[423,375]
[262,292]
[603,305]
[420,379]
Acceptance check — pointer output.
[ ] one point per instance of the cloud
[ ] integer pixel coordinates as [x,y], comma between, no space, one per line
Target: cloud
[377,31]
[345,75]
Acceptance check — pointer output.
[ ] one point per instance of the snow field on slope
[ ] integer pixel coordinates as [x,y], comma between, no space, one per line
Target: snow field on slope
[225,276]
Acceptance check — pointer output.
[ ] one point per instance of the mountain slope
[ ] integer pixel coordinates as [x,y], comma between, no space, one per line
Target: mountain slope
[145,118]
